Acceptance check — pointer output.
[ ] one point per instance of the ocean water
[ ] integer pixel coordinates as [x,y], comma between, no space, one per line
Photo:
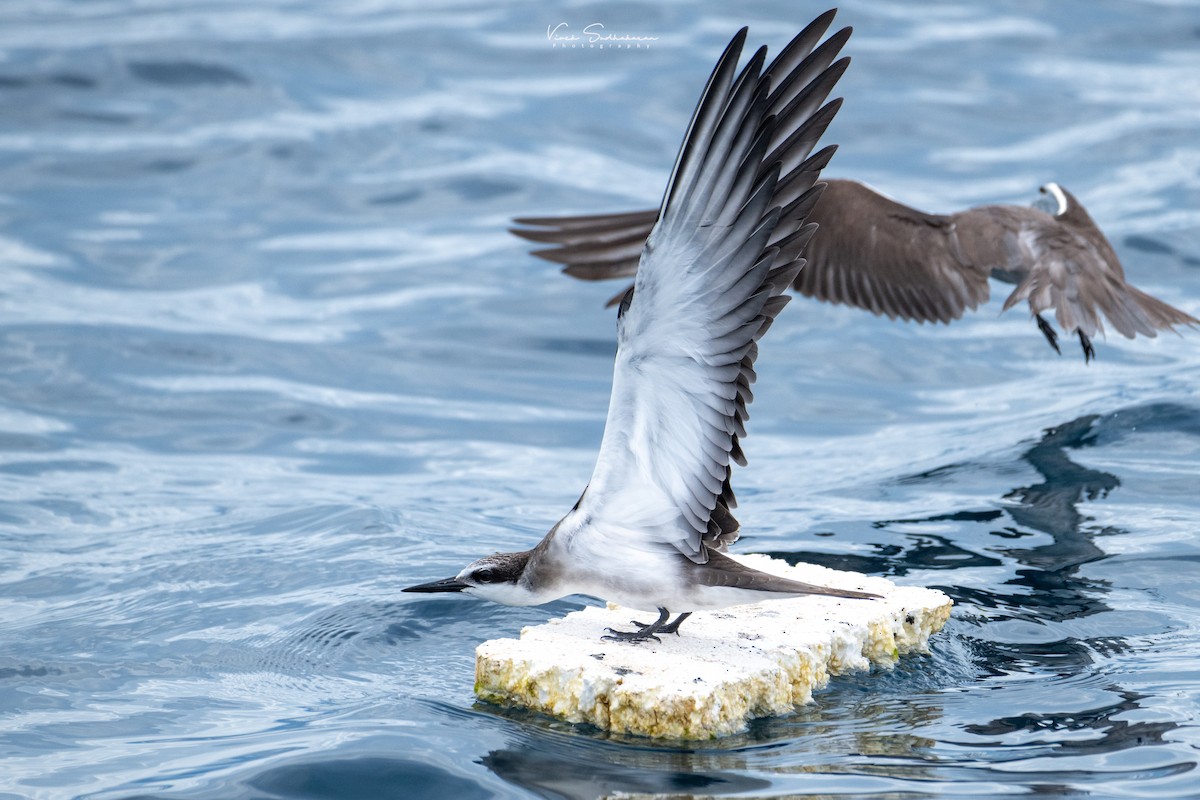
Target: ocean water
[269,356]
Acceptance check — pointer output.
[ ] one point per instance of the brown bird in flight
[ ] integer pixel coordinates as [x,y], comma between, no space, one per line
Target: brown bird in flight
[874,253]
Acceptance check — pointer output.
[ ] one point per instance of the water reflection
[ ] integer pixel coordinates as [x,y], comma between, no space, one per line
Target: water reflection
[552,770]
[1118,732]
[1049,572]
[553,760]
[369,777]
[1052,505]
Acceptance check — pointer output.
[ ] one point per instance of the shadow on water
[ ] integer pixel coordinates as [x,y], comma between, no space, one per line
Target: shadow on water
[1048,507]
[1119,734]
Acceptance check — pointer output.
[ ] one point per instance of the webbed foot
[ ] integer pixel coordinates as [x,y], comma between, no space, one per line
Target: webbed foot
[644,631]
[674,626]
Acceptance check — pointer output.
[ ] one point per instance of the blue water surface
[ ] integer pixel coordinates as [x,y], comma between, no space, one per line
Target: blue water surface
[269,355]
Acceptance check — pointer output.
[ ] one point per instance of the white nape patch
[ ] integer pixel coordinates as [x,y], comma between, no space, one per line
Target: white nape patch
[1060,199]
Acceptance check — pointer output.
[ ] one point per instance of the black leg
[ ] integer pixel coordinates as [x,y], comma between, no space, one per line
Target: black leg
[1089,352]
[1048,332]
[643,632]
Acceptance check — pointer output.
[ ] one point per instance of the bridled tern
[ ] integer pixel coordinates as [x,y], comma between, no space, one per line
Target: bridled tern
[651,528]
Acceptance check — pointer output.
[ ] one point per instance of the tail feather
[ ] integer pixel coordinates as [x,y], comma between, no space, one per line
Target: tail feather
[721,570]
[1161,315]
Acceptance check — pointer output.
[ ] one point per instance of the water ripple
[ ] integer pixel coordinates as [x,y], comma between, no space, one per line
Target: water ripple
[269,356]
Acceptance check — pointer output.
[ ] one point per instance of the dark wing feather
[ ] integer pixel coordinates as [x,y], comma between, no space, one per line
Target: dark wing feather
[874,253]
[709,283]
[600,247]
[622,235]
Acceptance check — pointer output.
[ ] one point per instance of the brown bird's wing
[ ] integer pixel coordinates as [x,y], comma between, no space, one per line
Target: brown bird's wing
[869,252]
[595,247]
[876,254]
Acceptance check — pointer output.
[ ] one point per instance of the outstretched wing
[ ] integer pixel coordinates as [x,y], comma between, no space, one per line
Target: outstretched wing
[708,284]
[604,246]
[870,252]
[879,255]
[594,247]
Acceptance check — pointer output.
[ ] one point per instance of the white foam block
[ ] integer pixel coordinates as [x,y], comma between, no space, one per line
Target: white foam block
[725,668]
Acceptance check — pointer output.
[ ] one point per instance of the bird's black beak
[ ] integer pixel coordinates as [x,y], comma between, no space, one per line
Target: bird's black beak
[444,585]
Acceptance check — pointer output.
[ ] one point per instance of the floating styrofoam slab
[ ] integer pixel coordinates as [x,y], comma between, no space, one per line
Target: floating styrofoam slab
[725,667]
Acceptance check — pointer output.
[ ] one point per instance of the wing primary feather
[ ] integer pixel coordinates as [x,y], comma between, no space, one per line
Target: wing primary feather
[806,136]
[589,221]
[707,110]
[603,271]
[811,96]
[802,44]
[708,285]
[729,136]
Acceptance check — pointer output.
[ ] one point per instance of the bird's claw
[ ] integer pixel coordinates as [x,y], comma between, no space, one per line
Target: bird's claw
[1048,332]
[1089,352]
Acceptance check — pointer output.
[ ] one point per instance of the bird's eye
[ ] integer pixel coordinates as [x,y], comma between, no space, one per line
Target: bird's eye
[484,575]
